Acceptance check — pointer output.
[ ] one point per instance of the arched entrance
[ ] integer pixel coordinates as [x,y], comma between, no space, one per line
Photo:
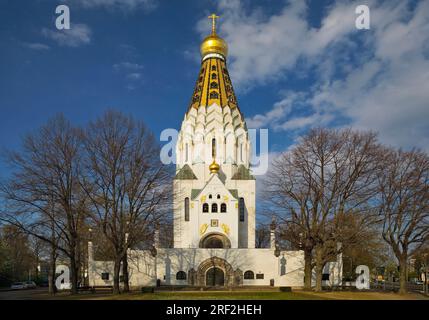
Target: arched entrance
[215,271]
[215,277]
[215,241]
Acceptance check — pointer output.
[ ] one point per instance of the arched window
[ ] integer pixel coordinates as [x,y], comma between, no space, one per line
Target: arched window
[186,153]
[214,76]
[213,68]
[213,148]
[213,85]
[241,152]
[249,275]
[181,275]
[214,207]
[223,207]
[210,196]
[241,209]
[205,207]
[214,95]
[201,79]
[186,209]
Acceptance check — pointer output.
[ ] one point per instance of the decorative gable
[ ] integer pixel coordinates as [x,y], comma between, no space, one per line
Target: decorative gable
[242,174]
[185,173]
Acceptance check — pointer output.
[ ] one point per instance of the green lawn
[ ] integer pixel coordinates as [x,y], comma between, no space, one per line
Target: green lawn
[213,296]
[256,295]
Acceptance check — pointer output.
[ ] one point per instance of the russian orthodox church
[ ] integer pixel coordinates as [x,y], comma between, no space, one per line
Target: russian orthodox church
[214,200]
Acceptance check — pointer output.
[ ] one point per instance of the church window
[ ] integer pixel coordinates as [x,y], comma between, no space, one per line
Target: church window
[186,209]
[202,70]
[241,209]
[205,207]
[214,207]
[241,152]
[181,275]
[223,207]
[218,196]
[210,196]
[201,79]
[213,148]
[195,99]
[213,68]
[186,153]
[214,95]
[249,275]
[259,276]
[228,88]
[213,85]
[214,76]
[105,276]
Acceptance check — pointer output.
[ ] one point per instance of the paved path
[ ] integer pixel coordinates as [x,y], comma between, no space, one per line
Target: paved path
[33,294]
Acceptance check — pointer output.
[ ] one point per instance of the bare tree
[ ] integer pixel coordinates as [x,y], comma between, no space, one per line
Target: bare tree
[262,236]
[43,195]
[125,182]
[313,189]
[404,204]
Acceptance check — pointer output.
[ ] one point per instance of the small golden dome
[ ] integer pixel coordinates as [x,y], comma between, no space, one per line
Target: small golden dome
[213,43]
[214,167]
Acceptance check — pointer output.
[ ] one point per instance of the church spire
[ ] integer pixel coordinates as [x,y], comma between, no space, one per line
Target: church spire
[213,83]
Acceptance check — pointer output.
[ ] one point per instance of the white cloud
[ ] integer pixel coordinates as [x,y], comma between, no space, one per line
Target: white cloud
[378,83]
[36,46]
[132,73]
[127,66]
[118,4]
[77,35]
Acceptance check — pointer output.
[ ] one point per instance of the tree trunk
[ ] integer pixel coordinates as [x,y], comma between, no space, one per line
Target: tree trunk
[74,274]
[319,270]
[125,273]
[403,276]
[307,269]
[51,275]
[116,272]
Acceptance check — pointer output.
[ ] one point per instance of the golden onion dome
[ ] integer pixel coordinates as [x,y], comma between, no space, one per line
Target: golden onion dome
[213,43]
[214,167]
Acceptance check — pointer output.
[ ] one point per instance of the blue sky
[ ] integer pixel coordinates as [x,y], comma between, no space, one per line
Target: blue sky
[294,64]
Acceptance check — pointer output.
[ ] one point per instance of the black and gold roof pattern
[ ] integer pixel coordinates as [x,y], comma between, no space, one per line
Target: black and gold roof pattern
[213,85]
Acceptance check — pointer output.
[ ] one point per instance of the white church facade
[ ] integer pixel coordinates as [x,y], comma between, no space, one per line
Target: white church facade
[214,201]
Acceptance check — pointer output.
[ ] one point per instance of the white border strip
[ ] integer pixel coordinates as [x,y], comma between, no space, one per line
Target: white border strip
[213,55]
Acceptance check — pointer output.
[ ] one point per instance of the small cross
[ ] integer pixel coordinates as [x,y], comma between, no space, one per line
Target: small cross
[213,17]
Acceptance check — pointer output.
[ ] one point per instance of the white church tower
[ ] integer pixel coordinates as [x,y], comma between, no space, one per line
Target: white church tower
[214,201]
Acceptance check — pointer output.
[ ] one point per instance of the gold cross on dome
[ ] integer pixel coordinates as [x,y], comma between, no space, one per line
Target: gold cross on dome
[213,17]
